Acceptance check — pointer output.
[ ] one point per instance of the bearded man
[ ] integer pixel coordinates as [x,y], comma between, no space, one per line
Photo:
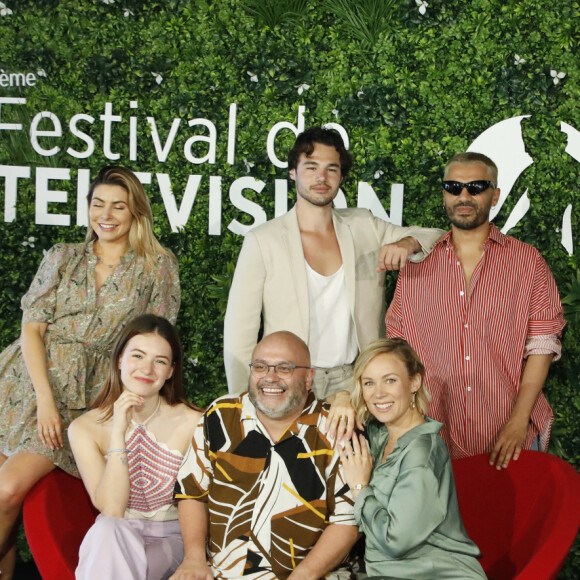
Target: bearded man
[484,315]
[261,491]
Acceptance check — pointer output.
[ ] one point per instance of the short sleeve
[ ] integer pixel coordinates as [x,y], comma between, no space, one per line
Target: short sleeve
[196,472]
[543,344]
[166,295]
[39,303]
[343,511]
[546,315]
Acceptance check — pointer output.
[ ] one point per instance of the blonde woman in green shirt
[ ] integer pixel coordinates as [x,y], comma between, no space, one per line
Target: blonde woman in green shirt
[405,498]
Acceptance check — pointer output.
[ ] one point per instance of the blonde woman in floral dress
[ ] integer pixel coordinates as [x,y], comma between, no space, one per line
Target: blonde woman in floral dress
[81,297]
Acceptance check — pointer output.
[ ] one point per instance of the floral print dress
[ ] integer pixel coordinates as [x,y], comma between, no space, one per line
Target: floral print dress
[82,326]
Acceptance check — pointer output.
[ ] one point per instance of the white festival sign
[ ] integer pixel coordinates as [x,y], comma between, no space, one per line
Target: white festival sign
[502,142]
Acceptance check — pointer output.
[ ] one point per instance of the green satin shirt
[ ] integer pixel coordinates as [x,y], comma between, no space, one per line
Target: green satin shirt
[409,512]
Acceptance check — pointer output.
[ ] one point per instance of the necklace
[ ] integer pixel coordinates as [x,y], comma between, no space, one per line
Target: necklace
[150,416]
[96,250]
[110,266]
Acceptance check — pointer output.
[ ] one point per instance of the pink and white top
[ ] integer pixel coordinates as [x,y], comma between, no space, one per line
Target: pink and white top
[153,469]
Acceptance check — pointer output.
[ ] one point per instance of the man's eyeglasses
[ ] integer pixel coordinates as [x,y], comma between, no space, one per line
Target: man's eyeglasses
[473,187]
[284,370]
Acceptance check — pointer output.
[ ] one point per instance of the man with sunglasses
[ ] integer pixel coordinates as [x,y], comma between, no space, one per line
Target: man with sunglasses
[484,315]
[261,491]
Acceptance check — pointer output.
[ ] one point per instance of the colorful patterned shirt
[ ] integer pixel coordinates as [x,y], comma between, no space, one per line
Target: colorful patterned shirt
[269,502]
[473,341]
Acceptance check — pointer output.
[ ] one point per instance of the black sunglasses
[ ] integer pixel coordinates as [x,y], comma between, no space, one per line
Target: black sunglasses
[473,187]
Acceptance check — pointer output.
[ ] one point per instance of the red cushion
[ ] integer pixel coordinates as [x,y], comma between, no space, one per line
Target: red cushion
[57,514]
[525,518]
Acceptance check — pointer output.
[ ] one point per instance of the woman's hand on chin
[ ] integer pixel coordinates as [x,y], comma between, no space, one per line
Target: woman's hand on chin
[123,410]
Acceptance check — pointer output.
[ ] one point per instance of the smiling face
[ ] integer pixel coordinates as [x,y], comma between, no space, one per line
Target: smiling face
[109,214]
[272,396]
[388,389]
[318,176]
[466,211]
[145,364]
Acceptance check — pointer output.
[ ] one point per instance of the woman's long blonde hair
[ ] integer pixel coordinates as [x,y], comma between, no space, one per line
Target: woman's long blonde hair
[403,351]
[141,238]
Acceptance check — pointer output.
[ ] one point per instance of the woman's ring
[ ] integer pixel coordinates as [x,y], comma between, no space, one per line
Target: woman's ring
[51,430]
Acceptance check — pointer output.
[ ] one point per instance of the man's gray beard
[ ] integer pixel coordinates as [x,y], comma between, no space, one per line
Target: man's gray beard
[294,404]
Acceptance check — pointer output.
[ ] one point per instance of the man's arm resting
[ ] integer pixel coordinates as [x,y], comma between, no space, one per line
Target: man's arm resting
[406,243]
[513,434]
[426,237]
[328,552]
[194,524]
[394,256]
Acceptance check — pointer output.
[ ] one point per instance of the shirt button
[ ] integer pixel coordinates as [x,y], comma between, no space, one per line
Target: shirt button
[467,357]
[466,325]
[461,293]
[469,388]
[458,264]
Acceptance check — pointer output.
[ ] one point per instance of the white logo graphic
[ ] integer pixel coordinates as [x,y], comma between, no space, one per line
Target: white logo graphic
[504,144]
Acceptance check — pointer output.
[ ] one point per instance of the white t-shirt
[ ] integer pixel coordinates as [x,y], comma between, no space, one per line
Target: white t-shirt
[332,341]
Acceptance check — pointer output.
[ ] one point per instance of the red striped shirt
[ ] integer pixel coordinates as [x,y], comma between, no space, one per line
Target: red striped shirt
[473,343]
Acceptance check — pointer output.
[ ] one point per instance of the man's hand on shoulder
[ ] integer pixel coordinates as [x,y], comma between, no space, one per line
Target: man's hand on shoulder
[192,569]
[509,443]
[341,419]
[394,256]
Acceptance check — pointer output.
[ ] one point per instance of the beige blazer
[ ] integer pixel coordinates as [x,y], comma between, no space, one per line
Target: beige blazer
[270,282]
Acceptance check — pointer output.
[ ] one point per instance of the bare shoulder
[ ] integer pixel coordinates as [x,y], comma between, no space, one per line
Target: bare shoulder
[88,423]
[178,426]
[186,414]
[180,416]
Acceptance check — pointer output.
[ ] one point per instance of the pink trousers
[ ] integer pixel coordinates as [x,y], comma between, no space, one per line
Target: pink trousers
[116,548]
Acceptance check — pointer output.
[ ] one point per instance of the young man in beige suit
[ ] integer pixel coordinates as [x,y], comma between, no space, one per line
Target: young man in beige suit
[317,272]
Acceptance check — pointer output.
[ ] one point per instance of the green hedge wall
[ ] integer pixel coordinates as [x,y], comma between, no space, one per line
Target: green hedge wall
[411,89]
